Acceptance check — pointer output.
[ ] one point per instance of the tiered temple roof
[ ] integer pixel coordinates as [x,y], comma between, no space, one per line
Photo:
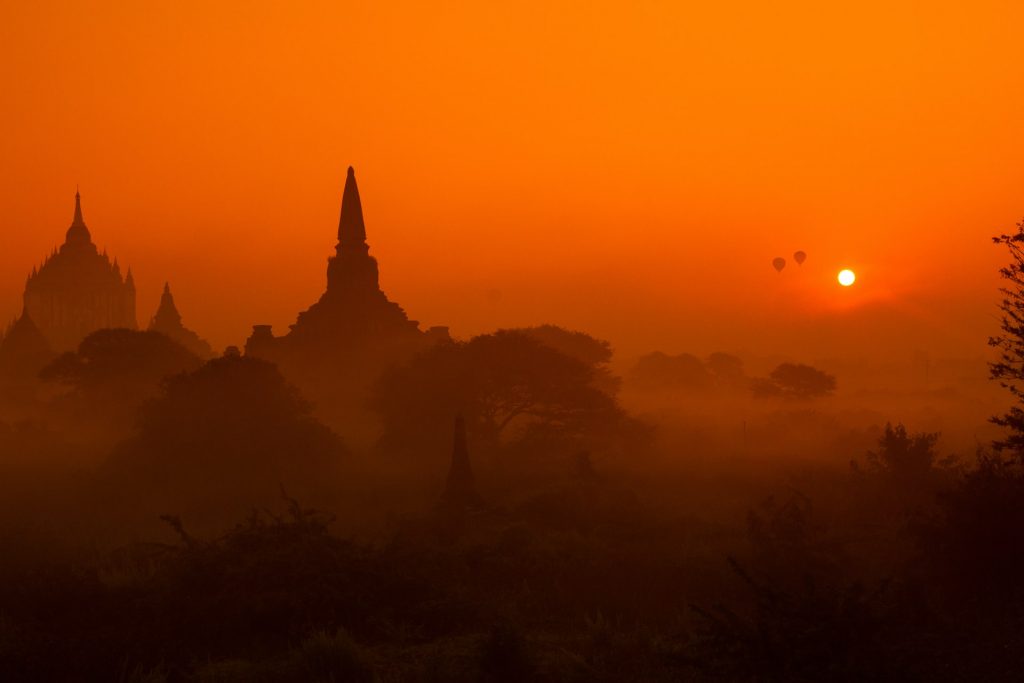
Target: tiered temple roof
[77,290]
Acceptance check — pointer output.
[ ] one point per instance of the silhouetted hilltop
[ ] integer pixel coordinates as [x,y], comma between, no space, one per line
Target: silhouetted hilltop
[167,321]
[78,290]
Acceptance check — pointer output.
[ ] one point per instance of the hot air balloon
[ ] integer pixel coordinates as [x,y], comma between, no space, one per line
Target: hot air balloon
[778,263]
[800,257]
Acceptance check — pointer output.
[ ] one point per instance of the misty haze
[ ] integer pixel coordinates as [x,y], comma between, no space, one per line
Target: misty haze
[550,343]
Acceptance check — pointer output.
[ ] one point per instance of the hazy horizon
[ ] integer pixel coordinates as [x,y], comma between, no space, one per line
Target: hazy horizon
[646,342]
[629,173]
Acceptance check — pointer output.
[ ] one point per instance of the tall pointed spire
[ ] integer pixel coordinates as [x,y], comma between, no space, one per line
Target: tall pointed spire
[352,271]
[351,229]
[78,220]
[78,233]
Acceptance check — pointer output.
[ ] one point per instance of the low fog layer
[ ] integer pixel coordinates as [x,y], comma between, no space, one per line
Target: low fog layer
[365,498]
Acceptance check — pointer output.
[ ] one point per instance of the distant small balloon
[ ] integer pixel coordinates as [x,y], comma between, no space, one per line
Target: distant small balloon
[800,257]
[778,263]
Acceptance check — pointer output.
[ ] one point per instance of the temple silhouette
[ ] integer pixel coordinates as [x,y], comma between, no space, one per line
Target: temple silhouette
[460,487]
[24,352]
[78,290]
[167,321]
[353,331]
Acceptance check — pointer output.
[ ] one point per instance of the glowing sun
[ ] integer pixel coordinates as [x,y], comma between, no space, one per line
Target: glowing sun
[846,277]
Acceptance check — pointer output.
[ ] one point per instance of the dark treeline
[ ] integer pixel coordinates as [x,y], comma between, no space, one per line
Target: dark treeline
[500,508]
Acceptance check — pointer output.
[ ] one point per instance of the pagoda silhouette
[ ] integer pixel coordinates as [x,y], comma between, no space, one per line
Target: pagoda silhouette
[78,290]
[343,341]
[167,321]
[24,352]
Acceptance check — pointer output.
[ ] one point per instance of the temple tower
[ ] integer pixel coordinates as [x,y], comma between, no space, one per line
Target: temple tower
[352,270]
[353,313]
[77,290]
[167,321]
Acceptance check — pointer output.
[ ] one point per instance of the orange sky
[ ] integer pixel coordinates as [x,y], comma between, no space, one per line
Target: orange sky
[625,168]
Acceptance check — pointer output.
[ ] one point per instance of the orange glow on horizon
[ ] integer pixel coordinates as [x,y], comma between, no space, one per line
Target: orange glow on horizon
[630,170]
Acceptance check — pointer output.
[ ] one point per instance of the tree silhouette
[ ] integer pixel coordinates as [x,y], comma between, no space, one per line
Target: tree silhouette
[727,370]
[658,370]
[794,381]
[904,474]
[112,373]
[597,353]
[506,384]
[224,437]
[1009,369]
[904,456]
[122,364]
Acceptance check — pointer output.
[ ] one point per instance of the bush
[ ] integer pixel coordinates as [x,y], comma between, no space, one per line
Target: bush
[331,657]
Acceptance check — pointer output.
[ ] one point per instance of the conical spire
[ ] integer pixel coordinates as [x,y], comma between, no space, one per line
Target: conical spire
[78,233]
[78,220]
[460,489]
[167,317]
[351,229]
[167,321]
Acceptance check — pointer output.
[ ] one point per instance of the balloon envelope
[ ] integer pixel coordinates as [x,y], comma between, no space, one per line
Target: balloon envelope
[800,257]
[778,263]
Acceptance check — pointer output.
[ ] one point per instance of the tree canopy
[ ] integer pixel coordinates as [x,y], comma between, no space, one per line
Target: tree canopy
[225,436]
[124,363]
[658,370]
[1008,370]
[508,385]
[795,381]
[686,372]
[596,353]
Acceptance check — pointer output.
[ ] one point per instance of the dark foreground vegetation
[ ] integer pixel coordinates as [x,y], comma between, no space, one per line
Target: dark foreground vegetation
[900,568]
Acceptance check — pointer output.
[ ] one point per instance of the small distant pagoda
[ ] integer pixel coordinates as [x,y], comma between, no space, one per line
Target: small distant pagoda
[78,290]
[167,321]
[460,487]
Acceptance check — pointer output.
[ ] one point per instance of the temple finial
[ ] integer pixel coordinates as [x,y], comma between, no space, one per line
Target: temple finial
[78,235]
[78,220]
[351,229]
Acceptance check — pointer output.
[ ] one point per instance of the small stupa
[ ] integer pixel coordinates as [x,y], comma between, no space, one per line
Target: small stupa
[460,488]
[167,321]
